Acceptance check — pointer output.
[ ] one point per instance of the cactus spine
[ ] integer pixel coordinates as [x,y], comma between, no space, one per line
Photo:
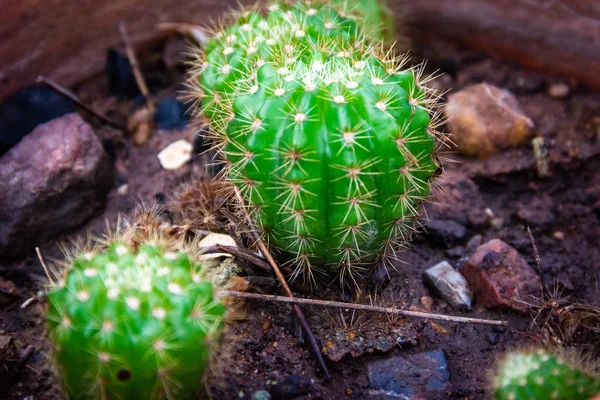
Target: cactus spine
[539,374]
[329,138]
[131,323]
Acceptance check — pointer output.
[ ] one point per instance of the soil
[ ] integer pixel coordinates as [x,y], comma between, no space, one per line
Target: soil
[266,346]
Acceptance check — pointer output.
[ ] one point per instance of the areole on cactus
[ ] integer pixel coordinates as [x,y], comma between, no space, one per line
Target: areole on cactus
[133,323]
[331,141]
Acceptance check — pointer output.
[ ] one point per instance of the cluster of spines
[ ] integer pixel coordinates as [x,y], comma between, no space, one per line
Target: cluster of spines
[540,374]
[133,322]
[338,70]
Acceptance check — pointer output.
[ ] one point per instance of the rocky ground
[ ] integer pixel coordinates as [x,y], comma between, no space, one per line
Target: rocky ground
[79,173]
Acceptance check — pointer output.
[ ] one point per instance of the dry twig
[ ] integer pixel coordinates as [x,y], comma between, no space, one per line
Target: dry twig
[73,97]
[245,255]
[137,72]
[363,307]
[46,269]
[538,260]
[263,248]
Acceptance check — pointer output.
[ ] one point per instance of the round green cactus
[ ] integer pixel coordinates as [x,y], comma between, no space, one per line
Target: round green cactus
[133,324]
[329,138]
[539,374]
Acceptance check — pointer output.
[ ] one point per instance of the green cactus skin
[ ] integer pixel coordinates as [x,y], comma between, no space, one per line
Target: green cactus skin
[529,375]
[331,142]
[133,325]
[373,13]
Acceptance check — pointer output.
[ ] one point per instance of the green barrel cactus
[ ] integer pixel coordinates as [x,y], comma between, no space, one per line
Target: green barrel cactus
[528,375]
[329,138]
[133,324]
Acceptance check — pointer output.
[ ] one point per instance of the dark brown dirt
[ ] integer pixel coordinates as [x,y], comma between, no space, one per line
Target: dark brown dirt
[267,345]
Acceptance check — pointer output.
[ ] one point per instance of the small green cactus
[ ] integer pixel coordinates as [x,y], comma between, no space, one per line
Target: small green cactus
[528,375]
[329,138]
[133,324]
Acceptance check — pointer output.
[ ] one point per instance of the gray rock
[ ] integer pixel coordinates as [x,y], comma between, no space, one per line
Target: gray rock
[52,181]
[423,375]
[450,284]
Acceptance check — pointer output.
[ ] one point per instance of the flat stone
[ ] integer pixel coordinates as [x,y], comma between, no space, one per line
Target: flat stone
[450,285]
[500,277]
[51,182]
[422,375]
[484,119]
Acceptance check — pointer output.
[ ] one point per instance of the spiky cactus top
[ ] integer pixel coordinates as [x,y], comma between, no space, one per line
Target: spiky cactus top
[329,139]
[528,375]
[127,324]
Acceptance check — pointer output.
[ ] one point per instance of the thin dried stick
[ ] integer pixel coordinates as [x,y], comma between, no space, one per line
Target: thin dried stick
[135,66]
[246,255]
[538,260]
[363,307]
[263,248]
[46,270]
[73,97]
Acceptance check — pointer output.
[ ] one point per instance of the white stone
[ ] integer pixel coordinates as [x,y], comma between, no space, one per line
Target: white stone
[176,154]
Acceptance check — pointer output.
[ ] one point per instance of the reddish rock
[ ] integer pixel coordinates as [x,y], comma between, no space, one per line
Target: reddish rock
[52,181]
[500,277]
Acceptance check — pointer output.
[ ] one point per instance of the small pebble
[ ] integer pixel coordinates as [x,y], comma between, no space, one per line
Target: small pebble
[427,302]
[493,338]
[176,154]
[558,90]
[558,235]
[497,223]
[261,395]
[138,124]
[474,242]
[123,189]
